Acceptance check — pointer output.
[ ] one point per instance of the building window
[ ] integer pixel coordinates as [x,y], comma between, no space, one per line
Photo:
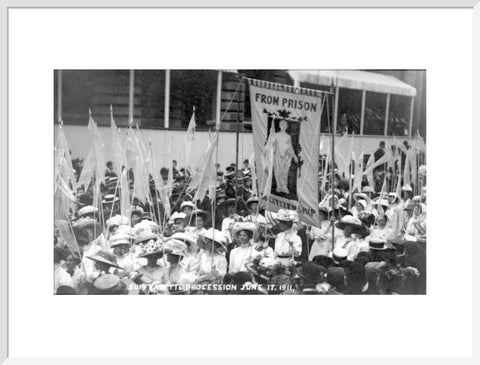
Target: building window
[374,119]
[399,115]
[190,88]
[149,98]
[349,111]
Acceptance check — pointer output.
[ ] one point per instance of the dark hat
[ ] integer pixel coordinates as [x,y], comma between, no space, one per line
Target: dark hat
[65,290]
[399,244]
[356,274]
[230,168]
[105,257]
[378,244]
[230,201]
[324,261]
[146,215]
[312,272]
[336,277]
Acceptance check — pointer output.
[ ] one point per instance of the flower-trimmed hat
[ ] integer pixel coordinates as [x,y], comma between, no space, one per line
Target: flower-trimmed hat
[247,226]
[285,215]
[152,248]
[175,247]
[105,257]
[145,236]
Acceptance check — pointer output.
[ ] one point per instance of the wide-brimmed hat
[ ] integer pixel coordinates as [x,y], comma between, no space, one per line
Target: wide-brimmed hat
[360,196]
[216,236]
[120,239]
[89,209]
[147,215]
[379,245]
[252,199]
[351,221]
[145,236]
[187,204]
[177,215]
[151,248]
[118,220]
[190,218]
[107,282]
[105,257]
[312,272]
[182,237]
[86,230]
[175,247]
[247,226]
[229,201]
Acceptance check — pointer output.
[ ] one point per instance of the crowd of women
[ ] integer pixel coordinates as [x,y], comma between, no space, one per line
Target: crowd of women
[367,242]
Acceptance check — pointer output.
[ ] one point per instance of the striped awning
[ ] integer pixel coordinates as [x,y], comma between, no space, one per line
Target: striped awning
[354,79]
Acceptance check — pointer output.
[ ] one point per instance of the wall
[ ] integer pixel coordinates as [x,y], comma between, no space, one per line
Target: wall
[79,143]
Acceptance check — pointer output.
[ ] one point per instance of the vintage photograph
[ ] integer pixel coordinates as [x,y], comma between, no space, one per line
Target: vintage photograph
[243,182]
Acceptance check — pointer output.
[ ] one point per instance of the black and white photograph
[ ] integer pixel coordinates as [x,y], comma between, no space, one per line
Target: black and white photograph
[240,182]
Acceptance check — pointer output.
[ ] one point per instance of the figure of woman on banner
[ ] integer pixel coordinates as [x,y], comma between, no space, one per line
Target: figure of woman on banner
[283,155]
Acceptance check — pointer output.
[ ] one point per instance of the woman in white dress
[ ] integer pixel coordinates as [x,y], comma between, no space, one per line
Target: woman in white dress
[283,155]
[243,254]
[381,231]
[212,259]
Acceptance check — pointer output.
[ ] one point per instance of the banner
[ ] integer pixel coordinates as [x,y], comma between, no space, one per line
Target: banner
[286,133]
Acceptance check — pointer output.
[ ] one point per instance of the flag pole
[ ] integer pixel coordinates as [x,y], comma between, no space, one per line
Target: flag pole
[332,172]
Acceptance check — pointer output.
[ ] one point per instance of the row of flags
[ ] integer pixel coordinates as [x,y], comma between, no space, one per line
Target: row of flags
[132,155]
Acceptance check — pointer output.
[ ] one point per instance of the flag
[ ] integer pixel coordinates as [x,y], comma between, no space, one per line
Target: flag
[189,140]
[368,172]
[125,204]
[116,140]
[357,182]
[208,180]
[63,159]
[99,150]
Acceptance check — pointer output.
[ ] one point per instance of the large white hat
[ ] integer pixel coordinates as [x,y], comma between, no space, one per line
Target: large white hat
[187,204]
[215,235]
[182,237]
[89,209]
[120,239]
[175,247]
[118,220]
[407,187]
[247,226]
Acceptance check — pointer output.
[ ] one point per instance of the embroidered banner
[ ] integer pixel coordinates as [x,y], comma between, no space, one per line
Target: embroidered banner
[286,133]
